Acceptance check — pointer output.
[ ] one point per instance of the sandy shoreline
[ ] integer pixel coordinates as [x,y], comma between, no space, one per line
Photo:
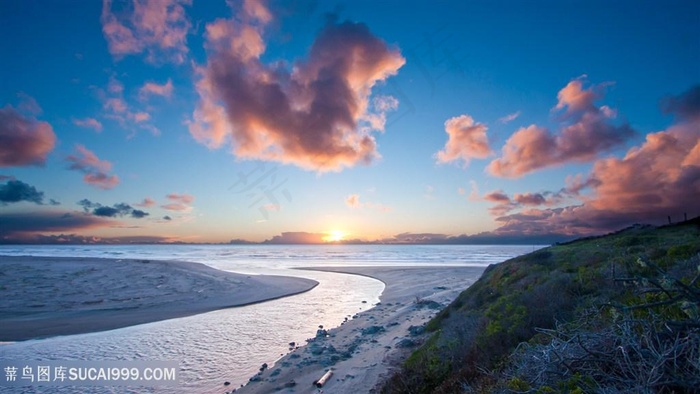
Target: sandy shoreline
[363,351]
[49,296]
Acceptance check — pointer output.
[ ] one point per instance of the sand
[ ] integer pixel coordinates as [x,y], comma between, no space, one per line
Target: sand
[364,350]
[47,296]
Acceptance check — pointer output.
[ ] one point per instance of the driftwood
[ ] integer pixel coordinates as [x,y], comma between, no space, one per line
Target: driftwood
[319,383]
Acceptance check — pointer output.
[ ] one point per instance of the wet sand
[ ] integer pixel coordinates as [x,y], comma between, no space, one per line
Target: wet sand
[47,296]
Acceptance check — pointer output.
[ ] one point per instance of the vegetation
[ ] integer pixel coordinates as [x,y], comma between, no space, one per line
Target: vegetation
[611,314]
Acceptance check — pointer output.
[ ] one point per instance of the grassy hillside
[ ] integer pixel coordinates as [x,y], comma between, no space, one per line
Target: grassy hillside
[617,313]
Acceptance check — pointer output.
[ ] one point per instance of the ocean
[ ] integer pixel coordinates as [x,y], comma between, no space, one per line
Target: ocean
[230,345]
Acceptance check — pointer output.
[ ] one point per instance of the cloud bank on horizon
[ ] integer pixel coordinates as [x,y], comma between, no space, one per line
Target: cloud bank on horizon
[206,87]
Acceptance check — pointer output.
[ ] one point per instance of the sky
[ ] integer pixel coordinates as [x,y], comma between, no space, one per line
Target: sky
[307,121]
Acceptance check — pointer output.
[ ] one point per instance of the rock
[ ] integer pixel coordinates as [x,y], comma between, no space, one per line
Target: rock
[321,333]
[406,343]
[364,302]
[290,384]
[292,344]
[227,383]
[372,330]
[263,367]
[320,326]
[416,330]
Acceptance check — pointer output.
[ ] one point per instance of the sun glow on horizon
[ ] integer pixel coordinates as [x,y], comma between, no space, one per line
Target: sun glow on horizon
[334,236]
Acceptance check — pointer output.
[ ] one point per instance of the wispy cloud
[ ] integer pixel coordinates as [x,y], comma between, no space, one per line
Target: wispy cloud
[509,118]
[179,202]
[90,123]
[95,170]
[587,131]
[150,89]
[315,117]
[117,108]
[353,201]
[157,27]
[147,203]
[24,140]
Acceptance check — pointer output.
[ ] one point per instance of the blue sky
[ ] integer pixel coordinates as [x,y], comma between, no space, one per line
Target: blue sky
[555,107]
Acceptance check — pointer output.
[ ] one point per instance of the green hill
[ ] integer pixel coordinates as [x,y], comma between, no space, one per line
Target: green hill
[616,313]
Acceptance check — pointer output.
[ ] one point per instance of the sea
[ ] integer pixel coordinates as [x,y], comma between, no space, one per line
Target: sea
[230,345]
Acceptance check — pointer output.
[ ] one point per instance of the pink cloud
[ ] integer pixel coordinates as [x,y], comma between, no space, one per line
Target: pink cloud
[95,170]
[658,178]
[117,108]
[467,140]
[586,132]
[157,27]
[179,202]
[154,89]
[509,118]
[24,140]
[90,123]
[497,196]
[529,198]
[315,116]
[146,203]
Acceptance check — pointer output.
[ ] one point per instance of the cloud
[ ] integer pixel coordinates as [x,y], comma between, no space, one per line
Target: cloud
[146,203]
[95,170]
[530,199]
[685,106]
[168,218]
[153,89]
[157,27]
[497,196]
[314,114]
[15,191]
[27,223]
[24,140]
[117,210]
[509,118]
[116,108]
[586,132]
[297,238]
[467,140]
[353,201]
[90,123]
[179,202]
[658,178]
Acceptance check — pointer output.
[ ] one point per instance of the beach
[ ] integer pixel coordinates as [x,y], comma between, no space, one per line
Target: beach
[363,351]
[50,296]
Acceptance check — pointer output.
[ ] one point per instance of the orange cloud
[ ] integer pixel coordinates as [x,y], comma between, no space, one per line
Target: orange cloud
[95,170]
[353,201]
[586,132]
[315,116]
[157,27]
[24,140]
[467,140]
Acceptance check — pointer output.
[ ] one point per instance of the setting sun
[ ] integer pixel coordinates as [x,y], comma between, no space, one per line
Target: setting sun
[334,236]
